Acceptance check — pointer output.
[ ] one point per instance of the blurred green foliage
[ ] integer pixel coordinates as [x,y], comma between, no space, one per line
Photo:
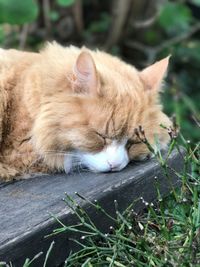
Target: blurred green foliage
[65,2]
[175,30]
[24,11]
[100,25]
[182,97]
[175,17]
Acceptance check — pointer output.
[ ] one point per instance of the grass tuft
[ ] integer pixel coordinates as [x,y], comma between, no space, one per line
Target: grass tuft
[166,234]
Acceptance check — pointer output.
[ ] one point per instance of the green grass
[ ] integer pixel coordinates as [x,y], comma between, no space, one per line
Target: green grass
[166,234]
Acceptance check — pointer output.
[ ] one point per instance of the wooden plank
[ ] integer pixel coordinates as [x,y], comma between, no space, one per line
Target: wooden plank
[25,205]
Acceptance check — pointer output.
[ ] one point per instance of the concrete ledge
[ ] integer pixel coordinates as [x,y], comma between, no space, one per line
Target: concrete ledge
[25,206]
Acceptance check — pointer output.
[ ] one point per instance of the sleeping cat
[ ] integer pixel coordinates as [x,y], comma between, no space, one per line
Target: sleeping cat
[67,106]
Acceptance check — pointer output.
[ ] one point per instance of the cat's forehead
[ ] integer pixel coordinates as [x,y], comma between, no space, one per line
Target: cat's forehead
[113,118]
[121,82]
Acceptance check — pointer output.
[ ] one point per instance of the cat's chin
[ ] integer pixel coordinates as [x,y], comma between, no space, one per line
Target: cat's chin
[105,170]
[102,171]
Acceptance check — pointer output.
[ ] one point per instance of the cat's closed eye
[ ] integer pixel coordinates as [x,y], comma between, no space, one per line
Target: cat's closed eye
[132,142]
[107,139]
[103,137]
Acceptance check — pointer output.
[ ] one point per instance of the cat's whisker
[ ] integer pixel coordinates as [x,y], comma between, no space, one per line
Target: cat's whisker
[33,153]
[58,152]
[82,167]
[79,169]
[55,151]
[31,164]
[76,160]
[17,155]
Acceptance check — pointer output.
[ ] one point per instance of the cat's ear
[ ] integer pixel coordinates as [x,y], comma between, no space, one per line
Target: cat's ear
[85,74]
[153,75]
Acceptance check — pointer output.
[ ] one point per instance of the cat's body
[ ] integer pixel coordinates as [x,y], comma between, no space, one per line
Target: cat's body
[66,104]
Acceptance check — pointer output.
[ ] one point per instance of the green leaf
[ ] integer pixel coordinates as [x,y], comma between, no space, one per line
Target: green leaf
[195,2]
[65,3]
[18,12]
[100,25]
[175,17]
[54,15]
[152,37]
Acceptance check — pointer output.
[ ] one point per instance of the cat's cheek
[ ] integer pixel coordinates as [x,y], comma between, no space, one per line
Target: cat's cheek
[139,152]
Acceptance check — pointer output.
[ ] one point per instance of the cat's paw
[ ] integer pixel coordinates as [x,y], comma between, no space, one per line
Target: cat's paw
[143,157]
[7,173]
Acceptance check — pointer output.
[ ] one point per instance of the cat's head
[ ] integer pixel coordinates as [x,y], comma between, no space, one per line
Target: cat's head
[109,100]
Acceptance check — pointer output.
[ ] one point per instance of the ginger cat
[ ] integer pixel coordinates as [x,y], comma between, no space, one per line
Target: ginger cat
[66,106]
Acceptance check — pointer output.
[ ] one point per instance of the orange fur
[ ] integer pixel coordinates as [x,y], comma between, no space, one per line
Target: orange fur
[46,111]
